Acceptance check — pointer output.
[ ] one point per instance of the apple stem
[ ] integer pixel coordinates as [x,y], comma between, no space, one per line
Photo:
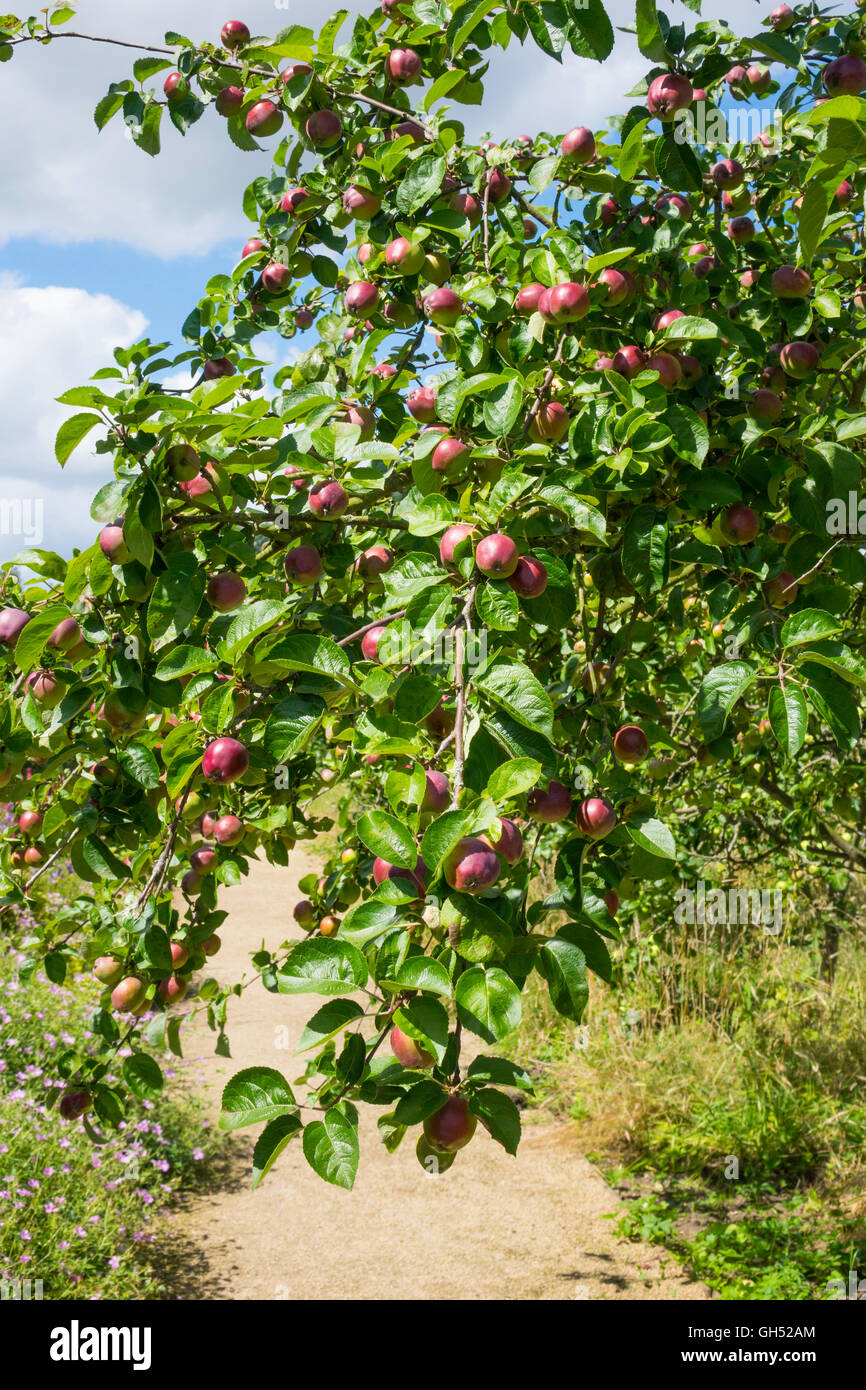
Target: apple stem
[486,214]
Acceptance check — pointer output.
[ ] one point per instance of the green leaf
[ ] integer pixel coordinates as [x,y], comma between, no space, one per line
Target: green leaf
[270,1144]
[563,966]
[835,706]
[331,1149]
[502,407]
[252,620]
[71,433]
[143,1076]
[28,648]
[720,690]
[184,661]
[513,687]
[645,550]
[513,778]
[501,1072]
[497,605]
[140,765]
[253,1095]
[426,1021]
[813,213]
[650,40]
[839,659]
[327,1021]
[322,965]
[175,600]
[788,717]
[676,165]
[303,651]
[482,933]
[499,1116]
[291,726]
[388,839]
[421,182]
[420,1100]
[689,328]
[652,835]
[809,625]
[424,973]
[367,920]
[100,860]
[488,1002]
[691,438]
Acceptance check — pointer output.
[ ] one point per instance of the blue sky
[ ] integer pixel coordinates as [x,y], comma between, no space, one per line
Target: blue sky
[100,244]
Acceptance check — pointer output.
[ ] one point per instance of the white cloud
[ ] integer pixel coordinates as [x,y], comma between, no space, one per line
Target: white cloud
[51,339]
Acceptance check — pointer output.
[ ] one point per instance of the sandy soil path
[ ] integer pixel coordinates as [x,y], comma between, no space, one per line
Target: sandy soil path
[494,1227]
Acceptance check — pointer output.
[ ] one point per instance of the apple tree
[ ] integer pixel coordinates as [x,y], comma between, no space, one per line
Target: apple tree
[526,549]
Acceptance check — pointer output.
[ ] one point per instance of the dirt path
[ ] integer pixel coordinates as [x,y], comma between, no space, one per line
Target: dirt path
[493,1227]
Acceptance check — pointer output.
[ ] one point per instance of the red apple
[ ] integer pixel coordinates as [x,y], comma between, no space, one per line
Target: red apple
[549,806]
[128,995]
[229,101]
[471,866]
[799,359]
[175,86]
[451,539]
[669,370]
[498,186]
[781,590]
[579,145]
[845,76]
[403,65]
[328,500]
[30,823]
[304,913]
[113,546]
[595,817]
[361,299]
[264,118]
[172,990]
[73,1104]
[628,361]
[374,561]
[437,792]
[361,202]
[447,452]
[452,1127]
[781,18]
[529,579]
[527,298]
[421,404]
[225,759]
[108,970]
[234,34]
[12,623]
[668,94]
[217,367]
[621,286]
[630,744]
[293,200]
[404,256]
[324,129]
[203,861]
[496,556]
[443,307]
[228,830]
[765,408]
[550,422]
[45,688]
[741,229]
[678,204]
[790,282]
[727,173]
[303,566]
[408,1052]
[509,844]
[415,878]
[370,643]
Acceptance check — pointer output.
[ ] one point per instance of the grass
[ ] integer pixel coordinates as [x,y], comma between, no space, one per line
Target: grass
[733,1126]
[79,1217]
